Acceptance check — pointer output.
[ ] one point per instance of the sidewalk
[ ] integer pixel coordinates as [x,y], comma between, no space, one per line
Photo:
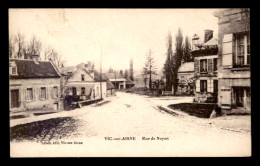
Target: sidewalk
[29,116]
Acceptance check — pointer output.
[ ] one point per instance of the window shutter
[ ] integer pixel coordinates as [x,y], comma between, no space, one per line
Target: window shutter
[210,66]
[34,94]
[198,66]
[227,50]
[197,85]
[24,94]
[209,88]
[47,93]
[52,92]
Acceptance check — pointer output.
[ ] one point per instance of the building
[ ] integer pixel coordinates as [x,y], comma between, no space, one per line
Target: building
[129,83]
[186,79]
[206,69]
[82,83]
[234,59]
[117,79]
[34,85]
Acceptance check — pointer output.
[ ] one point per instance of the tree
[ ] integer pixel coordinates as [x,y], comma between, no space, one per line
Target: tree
[144,74]
[173,60]
[187,57]
[11,47]
[34,47]
[168,66]
[122,73]
[150,67]
[177,58]
[126,73]
[19,40]
[110,70]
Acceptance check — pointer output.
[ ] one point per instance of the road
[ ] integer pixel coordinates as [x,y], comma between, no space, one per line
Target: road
[103,130]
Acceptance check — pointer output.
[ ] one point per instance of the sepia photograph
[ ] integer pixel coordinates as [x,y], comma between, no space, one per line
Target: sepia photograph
[139,82]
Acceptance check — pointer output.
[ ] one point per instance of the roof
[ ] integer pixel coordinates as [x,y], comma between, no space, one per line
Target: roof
[97,76]
[66,70]
[113,76]
[129,82]
[27,68]
[187,67]
[109,83]
[211,42]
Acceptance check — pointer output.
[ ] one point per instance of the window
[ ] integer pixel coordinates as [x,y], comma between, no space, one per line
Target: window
[82,77]
[242,50]
[215,64]
[29,94]
[55,92]
[13,70]
[203,85]
[203,65]
[83,91]
[43,93]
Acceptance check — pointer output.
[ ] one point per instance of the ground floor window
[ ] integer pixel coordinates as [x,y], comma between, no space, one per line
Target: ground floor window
[241,96]
[55,91]
[43,93]
[203,85]
[29,94]
[83,92]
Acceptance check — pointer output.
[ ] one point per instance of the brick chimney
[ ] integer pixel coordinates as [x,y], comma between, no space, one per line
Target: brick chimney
[208,34]
[35,58]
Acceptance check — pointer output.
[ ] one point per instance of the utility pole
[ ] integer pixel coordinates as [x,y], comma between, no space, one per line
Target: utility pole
[101,73]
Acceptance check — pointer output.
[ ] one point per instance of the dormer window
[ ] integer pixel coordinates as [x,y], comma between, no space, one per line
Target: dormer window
[12,68]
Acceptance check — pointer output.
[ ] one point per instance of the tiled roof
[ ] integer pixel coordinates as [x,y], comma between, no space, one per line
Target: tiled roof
[211,42]
[113,76]
[66,70]
[29,69]
[129,82]
[187,67]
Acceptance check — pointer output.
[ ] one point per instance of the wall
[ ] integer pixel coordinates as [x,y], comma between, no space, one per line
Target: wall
[36,84]
[231,21]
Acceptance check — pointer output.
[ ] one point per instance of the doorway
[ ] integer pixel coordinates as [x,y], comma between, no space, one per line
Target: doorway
[14,98]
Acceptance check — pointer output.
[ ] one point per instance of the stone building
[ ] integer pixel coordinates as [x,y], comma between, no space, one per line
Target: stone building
[206,68]
[34,85]
[234,59]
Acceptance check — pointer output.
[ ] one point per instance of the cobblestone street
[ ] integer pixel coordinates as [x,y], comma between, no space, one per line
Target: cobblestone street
[133,116]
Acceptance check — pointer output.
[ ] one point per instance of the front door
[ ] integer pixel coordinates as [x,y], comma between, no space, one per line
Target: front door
[74,91]
[14,98]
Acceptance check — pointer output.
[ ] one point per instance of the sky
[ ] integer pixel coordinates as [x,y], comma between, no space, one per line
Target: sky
[79,35]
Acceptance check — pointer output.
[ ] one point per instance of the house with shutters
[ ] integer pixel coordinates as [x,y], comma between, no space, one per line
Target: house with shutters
[206,68]
[234,59]
[33,85]
[186,79]
[82,82]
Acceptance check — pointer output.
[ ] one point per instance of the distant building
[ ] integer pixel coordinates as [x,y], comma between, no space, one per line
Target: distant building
[206,69]
[234,59]
[34,85]
[117,79]
[186,79]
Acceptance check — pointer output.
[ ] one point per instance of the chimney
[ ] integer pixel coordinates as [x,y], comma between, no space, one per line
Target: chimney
[208,34]
[195,40]
[35,58]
